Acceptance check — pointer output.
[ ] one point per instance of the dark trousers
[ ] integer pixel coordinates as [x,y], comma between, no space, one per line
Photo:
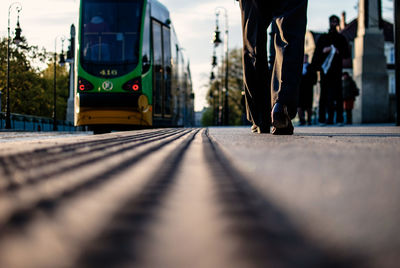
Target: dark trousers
[281,82]
[349,117]
[330,101]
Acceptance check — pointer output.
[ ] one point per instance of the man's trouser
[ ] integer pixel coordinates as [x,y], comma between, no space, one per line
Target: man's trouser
[331,101]
[283,81]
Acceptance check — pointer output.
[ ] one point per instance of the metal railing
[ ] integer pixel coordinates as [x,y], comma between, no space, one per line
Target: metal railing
[35,123]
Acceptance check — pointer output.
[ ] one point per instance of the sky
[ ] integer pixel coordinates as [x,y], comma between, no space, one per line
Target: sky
[45,22]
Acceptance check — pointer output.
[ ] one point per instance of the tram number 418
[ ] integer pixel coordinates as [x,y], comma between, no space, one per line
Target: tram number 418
[108,72]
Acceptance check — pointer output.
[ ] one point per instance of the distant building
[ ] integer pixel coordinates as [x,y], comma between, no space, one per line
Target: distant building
[349,30]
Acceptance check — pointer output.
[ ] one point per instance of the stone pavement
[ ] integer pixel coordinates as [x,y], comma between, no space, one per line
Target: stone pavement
[339,185]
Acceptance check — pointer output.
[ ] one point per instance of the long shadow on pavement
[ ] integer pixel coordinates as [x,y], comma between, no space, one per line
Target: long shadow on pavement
[267,236]
[371,135]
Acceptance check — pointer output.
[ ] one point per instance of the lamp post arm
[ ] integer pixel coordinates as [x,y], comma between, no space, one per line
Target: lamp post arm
[18,8]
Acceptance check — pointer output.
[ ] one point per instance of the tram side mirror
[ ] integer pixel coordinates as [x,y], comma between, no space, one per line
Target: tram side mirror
[145,64]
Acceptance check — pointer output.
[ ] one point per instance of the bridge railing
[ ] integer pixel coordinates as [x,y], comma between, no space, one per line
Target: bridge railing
[35,123]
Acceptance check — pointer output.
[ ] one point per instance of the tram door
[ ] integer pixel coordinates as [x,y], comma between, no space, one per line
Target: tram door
[162,95]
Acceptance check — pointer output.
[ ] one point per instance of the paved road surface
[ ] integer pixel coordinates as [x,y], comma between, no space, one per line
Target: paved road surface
[218,197]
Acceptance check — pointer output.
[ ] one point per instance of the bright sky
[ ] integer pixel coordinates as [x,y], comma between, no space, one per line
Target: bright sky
[42,21]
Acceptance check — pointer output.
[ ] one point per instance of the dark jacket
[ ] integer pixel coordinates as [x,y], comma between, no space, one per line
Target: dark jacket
[350,90]
[341,44]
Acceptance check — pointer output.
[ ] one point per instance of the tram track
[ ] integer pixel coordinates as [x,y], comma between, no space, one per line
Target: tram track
[46,188]
[77,153]
[45,212]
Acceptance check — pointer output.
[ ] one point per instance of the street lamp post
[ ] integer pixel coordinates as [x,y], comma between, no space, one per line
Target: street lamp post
[214,95]
[16,40]
[226,50]
[216,41]
[62,62]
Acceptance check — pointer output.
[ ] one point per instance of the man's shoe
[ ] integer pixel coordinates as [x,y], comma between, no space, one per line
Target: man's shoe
[259,130]
[280,116]
[282,125]
[283,131]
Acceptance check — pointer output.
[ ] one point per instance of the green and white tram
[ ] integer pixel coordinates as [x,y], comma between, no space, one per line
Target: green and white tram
[131,71]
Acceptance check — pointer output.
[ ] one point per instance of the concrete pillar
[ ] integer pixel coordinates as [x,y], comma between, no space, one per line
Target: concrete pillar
[369,66]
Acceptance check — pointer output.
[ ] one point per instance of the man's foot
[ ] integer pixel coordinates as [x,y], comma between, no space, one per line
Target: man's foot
[283,131]
[259,130]
[282,125]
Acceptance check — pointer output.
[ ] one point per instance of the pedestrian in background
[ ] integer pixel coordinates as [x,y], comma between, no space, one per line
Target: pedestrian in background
[331,50]
[277,88]
[308,80]
[350,92]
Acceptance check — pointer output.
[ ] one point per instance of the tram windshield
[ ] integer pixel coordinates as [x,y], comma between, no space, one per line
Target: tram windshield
[110,36]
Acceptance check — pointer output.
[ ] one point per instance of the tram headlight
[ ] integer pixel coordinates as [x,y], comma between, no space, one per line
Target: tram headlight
[134,85]
[84,85]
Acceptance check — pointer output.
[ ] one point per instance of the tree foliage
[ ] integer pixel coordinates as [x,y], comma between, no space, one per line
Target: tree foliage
[31,87]
[208,118]
[235,87]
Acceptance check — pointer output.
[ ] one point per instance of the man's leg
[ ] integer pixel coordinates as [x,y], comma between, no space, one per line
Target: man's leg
[255,64]
[322,104]
[330,101]
[331,112]
[309,116]
[291,19]
[349,116]
[339,107]
[302,118]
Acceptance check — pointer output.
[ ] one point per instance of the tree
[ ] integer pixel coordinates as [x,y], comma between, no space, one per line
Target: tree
[61,89]
[207,118]
[31,89]
[214,99]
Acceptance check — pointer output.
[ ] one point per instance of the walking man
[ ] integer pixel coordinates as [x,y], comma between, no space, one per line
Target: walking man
[330,52]
[277,88]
